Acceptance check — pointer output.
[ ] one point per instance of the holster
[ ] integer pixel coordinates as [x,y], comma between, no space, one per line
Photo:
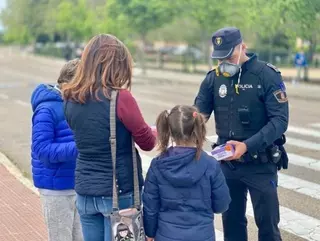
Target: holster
[284,161]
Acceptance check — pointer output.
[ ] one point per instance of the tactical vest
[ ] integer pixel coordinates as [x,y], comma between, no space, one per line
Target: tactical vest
[240,116]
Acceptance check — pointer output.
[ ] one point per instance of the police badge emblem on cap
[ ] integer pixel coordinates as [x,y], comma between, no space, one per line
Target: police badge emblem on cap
[218,41]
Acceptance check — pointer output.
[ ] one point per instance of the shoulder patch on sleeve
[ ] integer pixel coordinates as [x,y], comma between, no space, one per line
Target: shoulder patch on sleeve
[280,96]
[273,67]
[282,87]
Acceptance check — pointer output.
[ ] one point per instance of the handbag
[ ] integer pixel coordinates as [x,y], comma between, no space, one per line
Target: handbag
[126,224]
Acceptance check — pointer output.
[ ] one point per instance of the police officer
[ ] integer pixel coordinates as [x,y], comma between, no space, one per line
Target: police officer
[250,106]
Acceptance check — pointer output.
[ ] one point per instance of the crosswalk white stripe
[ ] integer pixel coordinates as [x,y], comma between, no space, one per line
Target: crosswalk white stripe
[291,221]
[304,161]
[23,103]
[290,141]
[212,138]
[298,185]
[293,183]
[294,158]
[316,125]
[303,144]
[304,131]
[294,222]
[4,97]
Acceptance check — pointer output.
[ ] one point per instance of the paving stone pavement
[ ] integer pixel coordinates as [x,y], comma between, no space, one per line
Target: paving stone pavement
[20,211]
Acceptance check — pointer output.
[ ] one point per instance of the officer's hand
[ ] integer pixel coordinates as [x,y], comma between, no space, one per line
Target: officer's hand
[240,149]
[149,239]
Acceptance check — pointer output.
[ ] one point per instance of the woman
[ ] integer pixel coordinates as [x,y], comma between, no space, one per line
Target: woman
[106,64]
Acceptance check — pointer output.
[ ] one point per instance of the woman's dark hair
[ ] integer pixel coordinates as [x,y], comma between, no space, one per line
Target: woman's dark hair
[105,64]
[184,124]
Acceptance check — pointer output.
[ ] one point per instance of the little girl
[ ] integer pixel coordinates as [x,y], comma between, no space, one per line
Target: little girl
[184,185]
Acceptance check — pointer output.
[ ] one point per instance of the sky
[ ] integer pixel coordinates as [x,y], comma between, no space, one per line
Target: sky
[2,5]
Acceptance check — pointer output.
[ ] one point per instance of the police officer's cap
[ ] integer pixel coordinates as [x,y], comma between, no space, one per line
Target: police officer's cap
[224,41]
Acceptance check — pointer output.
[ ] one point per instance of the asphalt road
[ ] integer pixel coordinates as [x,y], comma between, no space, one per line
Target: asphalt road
[299,186]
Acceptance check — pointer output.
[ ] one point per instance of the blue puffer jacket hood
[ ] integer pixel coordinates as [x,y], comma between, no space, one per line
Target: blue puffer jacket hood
[45,93]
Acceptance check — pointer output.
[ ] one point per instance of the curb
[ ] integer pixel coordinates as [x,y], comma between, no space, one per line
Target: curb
[17,173]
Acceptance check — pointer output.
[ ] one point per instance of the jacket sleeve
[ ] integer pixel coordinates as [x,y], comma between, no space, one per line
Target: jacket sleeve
[43,140]
[204,98]
[151,203]
[277,108]
[220,196]
[130,115]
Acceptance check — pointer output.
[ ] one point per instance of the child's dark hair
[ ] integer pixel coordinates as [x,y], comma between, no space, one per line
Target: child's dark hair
[184,124]
[68,71]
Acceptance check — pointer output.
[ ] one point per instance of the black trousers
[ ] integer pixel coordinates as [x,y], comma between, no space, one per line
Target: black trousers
[261,182]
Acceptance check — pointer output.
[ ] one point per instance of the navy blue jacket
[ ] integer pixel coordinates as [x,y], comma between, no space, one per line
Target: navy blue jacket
[53,149]
[181,195]
[273,97]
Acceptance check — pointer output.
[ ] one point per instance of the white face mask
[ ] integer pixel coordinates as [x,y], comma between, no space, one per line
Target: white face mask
[228,69]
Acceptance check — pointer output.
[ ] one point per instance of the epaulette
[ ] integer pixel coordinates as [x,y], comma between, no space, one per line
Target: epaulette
[273,67]
[215,70]
[210,71]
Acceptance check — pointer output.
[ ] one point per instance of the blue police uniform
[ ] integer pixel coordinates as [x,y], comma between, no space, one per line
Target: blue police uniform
[254,111]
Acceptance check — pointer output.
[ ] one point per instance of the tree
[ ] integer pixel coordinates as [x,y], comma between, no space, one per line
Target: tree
[108,21]
[144,16]
[304,17]
[73,19]
[212,15]
[23,20]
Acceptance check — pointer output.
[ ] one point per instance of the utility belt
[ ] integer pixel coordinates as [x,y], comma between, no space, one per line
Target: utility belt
[273,154]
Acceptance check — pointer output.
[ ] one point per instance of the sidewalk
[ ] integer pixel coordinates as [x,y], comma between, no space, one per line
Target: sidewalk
[20,209]
[302,90]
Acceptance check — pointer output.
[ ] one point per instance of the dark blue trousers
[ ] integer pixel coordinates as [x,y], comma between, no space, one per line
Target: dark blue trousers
[261,182]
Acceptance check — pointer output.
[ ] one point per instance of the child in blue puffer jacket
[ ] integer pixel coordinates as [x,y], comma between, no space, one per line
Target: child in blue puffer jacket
[54,154]
[184,186]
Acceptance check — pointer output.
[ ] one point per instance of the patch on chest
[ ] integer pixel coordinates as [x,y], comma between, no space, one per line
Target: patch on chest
[223,91]
[245,86]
